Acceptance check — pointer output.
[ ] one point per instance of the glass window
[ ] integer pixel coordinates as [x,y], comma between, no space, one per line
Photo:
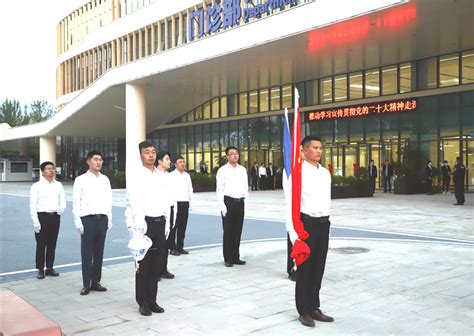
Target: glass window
[253,102]
[275,98]
[312,92]
[190,116]
[206,110]
[232,105]
[427,73]
[149,51]
[287,96]
[340,88]
[215,108]
[372,83]
[136,43]
[302,93]
[449,70]
[406,77]
[125,51]
[185,28]
[224,106]
[389,80]
[162,35]
[467,67]
[243,104]
[356,130]
[155,45]
[198,114]
[19,167]
[264,100]
[356,85]
[176,32]
[326,90]
[341,128]
[449,114]
[170,33]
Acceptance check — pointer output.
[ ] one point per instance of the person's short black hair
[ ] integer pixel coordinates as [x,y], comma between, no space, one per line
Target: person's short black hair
[458,158]
[445,161]
[93,153]
[372,161]
[46,163]
[255,162]
[307,140]
[161,154]
[229,148]
[145,144]
[178,158]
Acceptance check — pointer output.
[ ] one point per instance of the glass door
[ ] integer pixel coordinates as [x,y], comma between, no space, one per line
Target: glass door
[468,159]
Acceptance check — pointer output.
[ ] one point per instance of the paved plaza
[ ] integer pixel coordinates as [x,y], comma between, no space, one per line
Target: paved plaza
[371,286]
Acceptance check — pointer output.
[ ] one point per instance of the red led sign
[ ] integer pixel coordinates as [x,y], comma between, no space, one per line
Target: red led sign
[363,110]
[359,28]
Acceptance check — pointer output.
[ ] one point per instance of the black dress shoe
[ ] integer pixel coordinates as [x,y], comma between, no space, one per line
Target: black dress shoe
[239,262]
[183,251]
[156,309]
[40,275]
[458,203]
[292,276]
[174,252]
[51,272]
[228,264]
[318,315]
[306,320]
[144,310]
[98,287]
[167,275]
[85,291]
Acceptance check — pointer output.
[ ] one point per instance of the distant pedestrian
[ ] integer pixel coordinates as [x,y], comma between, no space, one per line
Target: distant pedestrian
[232,191]
[387,173]
[429,177]
[183,189]
[270,177]
[459,173]
[47,203]
[446,173]
[254,176]
[92,208]
[147,213]
[372,173]
[262,176]
[315,211]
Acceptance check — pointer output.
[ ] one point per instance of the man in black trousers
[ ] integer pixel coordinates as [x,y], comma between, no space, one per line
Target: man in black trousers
[254,176]
[459,173]
[232,190]
[372,172]
[47,203]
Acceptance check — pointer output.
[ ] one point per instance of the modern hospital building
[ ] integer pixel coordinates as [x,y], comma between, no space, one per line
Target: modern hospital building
[197,76]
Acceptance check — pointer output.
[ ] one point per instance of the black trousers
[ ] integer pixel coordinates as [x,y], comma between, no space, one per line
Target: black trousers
[92,247]
[372,184]
[387,184]
[232,224]
[46,239]
[429,185]
[310,273]
[254,183]
[446,180]
[149,270]
[459,192]
[263,182]
[178,233]
[289,261]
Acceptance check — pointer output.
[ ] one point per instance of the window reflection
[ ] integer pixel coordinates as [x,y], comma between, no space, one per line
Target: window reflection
[340,88]
[449,70]
[372,83]
[356,85]
[326,90]
[467,67]
[405,77]
[253,102]
[389,80]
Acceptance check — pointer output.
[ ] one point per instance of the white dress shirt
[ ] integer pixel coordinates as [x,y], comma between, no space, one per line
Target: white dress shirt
[182,186]
[231,182]
[92,195]
[46,196]
[262,171]
[149,194]
[315,194]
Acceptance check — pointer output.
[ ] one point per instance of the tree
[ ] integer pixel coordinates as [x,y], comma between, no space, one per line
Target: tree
[11,113]
[39,110]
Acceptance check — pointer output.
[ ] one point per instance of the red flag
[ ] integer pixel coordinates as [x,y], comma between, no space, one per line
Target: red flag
[296,161]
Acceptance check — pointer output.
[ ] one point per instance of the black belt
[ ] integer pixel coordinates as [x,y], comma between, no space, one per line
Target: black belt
[303,216]
[48,213]
[155,219]
[234,199]
[98,216]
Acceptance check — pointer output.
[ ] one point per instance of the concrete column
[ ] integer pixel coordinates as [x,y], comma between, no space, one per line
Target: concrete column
[140,44]
[147,51]
[48,149]
[135,126]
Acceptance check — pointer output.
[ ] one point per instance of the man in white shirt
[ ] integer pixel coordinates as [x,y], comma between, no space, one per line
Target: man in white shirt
[92,209]
[315,210]
[148,213]
[262,176]
[47,203]
[183,189]
[232,190]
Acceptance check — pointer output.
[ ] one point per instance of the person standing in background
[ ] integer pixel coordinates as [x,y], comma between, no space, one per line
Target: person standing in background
[47,203]
[372,172]
[459,173]
[262,176]
[254,176]
[446,173]
[387,173]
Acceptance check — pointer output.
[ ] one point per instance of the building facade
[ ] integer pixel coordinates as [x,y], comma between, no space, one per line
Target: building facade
[195,77]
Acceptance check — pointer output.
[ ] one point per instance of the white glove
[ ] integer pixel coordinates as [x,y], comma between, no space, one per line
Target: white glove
[223,210]
[60,212]
[190,208]
[293,236]
[79,227]
[109,225]
[37,227]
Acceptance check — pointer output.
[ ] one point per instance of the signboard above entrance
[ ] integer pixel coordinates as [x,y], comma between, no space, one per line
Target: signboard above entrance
[363,110]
